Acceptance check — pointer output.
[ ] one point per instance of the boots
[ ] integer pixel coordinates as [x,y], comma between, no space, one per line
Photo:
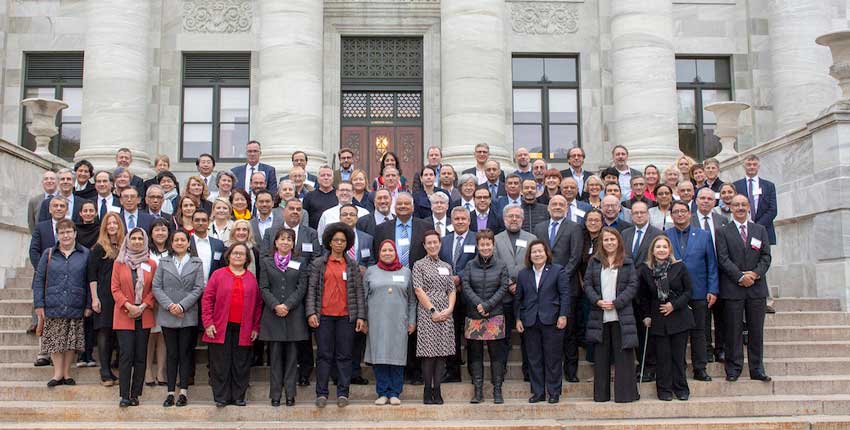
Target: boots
[498,375]
[477,371]
[427,397]
[438,396]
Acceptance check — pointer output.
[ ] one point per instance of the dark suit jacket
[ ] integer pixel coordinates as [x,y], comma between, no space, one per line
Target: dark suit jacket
[718,220]
[682,319]
[304,235]
[494,222]
[700,258]
[138,183]
[735,257]
[144,221]
[619,225]
[43,237]
[471,171]
[216,246]
[500,190]
[277,221]
[417,237]
[421,204]
[271,176]
[544,304]
[44,210]
[567,173]
[163,215]
[367,223]
[447,250]
[766,210]
[645,241]
[363,254]
[566,249]
[88,193]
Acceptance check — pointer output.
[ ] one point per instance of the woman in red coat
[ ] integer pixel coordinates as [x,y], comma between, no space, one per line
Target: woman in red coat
[230,311]
[132,319]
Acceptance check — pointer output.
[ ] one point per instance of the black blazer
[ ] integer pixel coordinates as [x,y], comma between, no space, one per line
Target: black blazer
[88,193]
[735,257]
[567,173]
[494,221]
[43,237]
[566,251]
[682,319]
[767,209]
[500,189]
[447,251]
[643,249]
[417,237]
[217,257]
[44,211]
[545,303]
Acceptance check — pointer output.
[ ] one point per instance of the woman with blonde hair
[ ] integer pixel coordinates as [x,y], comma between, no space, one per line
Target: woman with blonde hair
[593,186]
[361,197]
[242,232]
[196,188]
[683,164]
[221,225]
[102,257]
[672,177]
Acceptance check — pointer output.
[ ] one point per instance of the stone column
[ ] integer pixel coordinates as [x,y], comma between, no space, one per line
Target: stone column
[116,86]
[802,87]
[644,75]
[290,83]
[473,80]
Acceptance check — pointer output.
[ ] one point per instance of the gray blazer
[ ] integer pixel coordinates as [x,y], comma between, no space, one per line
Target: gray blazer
[287,288]
[184,289]
[277,221]
[513,258]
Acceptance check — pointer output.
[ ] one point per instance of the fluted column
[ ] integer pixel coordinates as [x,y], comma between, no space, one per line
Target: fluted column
[290,84]
[802,87]
[473,72]
[644,75]
[116,85]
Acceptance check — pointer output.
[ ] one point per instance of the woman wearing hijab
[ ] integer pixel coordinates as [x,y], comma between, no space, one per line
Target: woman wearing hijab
[133,318]
[391,306]
[283,284]
[666,289]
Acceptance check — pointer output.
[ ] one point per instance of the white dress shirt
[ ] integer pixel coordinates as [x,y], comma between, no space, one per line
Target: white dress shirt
[538,274]
[756,191]
[109,206]
[463,203]
[204,249]
[441,225]
[701,218]
[295,229]
[609,292]
[579,178]
[331,216]
[481,175]
[642,236]
[264,224]
[248,174]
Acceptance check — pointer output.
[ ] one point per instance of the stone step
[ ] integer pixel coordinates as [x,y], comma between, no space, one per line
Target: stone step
[15,322]
[806,304]
[803,333]
[16,307]
[365,410]
[16,294]
[19,282]
[819,318]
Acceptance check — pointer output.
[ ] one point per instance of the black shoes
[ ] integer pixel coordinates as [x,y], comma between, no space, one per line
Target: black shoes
[303,381]
[240,402]
[666,397]
[554,399]
[761,377]
[124,403]
[572,379]
[497,394]
[683,397]
[41,362]
[276,402]
[647,376]
[438,396]
[220,404]
[427,395]
[55,382]
[359,380]
[169,401]
[701,375]
[536,399]
[182,401]
[290,401]
[134,401]
[731,378]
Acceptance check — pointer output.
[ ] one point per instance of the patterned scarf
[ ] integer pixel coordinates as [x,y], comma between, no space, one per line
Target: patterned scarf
[282,262]
[659,274]
[134,260]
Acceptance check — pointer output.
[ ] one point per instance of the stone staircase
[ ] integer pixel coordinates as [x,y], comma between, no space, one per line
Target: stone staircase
[807,349]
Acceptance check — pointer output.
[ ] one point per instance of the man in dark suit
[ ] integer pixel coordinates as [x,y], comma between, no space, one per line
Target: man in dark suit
[761,194]
[482,217]
[565,239]
[611,209]
[636,241]
[706,219]
[44,234]
[361,252]
[743,249]
[383,212]
[209,249]
[576,171]
[495,179]
[124,158]
[66,189]
[131,216]
[513,192]
[48,185]
[153,203]
[266,218]
[408,233]
[695,248]
[482,155]
[620,156]
[458,249]
[244,172]
[576,209]
[299,160]
[105,199]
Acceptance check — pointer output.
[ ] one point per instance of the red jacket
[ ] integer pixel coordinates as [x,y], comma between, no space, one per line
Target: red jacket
[215,306]
[123,291]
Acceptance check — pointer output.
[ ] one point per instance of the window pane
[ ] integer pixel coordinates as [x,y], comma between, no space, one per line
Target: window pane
[197,104]
[527,69]
[686,70]
[687,112]
[562,138]
[529,137]
[235,104]
[563,106]
[74,98]
[232,140]
[688,140]
[70,142]
[709,97]
[561,69]
[711,142]
[713,70]
[41,93]
[197,139]
[527,105]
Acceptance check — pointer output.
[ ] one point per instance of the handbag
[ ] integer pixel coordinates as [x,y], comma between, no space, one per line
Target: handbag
[39,328]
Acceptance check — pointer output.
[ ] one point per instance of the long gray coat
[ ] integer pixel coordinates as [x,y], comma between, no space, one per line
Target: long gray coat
[627,288]
[391,307]
[184,289]
[286,288]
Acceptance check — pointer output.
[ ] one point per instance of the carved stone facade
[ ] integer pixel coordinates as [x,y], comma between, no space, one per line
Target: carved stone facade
[217,16]
[544,17]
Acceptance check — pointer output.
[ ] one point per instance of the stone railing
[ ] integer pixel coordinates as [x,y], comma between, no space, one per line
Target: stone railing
[811,169]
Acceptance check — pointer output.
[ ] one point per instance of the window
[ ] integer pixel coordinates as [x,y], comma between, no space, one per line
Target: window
[216,105]
[700,81]
[55,75]
[545,105]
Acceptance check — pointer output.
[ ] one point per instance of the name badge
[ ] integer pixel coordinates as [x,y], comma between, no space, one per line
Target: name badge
[306,247]
[294,265]
[397,278]
[147,267]
[450,228]
[756,191]
[521,243]
[443,271]
[344,276]
[365,252]
[668,220]
[310,183]
[217,255]
[114,209]
[579,213]
[755,243]
[469,249]
[590,251]
[404,242]
[716,196]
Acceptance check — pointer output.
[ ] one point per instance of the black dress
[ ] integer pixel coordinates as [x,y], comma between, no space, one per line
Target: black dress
[100,271]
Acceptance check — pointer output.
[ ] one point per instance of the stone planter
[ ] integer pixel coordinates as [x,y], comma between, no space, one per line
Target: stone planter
[838,43]
[727,114]
[43,125]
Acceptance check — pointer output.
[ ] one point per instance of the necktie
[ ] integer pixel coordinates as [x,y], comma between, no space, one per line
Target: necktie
[744,233]
[637,243]
[248,182]
[352,254]
[569,212]
[207,181]
[458,246]
[493,190]
[132,223]
[552,230]
[705,225]
[752,199]
[405,253]
[102,208]
[468,206]
[440,228]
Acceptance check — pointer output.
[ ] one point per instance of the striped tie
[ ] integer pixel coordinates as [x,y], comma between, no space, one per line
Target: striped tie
[405,251]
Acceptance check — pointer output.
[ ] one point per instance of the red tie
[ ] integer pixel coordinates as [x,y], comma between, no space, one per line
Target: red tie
[744,233]
[351,253]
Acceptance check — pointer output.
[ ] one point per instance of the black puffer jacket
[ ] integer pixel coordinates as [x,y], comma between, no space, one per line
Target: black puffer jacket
[627,288]
[484,283]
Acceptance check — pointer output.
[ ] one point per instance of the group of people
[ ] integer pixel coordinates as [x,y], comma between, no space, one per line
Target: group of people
[403,275]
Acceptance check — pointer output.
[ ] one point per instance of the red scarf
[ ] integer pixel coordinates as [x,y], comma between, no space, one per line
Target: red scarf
[395,265]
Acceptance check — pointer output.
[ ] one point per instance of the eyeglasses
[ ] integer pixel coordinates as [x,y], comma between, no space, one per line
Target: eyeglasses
[679,211]
[338,240]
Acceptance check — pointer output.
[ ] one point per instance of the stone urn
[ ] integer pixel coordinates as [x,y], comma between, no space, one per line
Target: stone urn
[727,114]
[838,43]
[43,125]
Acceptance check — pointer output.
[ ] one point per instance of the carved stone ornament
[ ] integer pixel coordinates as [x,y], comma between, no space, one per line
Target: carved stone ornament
[217,16]
[543,18]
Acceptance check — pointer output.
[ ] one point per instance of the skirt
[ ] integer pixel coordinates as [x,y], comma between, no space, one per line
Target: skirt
[485,329]
[63,334]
